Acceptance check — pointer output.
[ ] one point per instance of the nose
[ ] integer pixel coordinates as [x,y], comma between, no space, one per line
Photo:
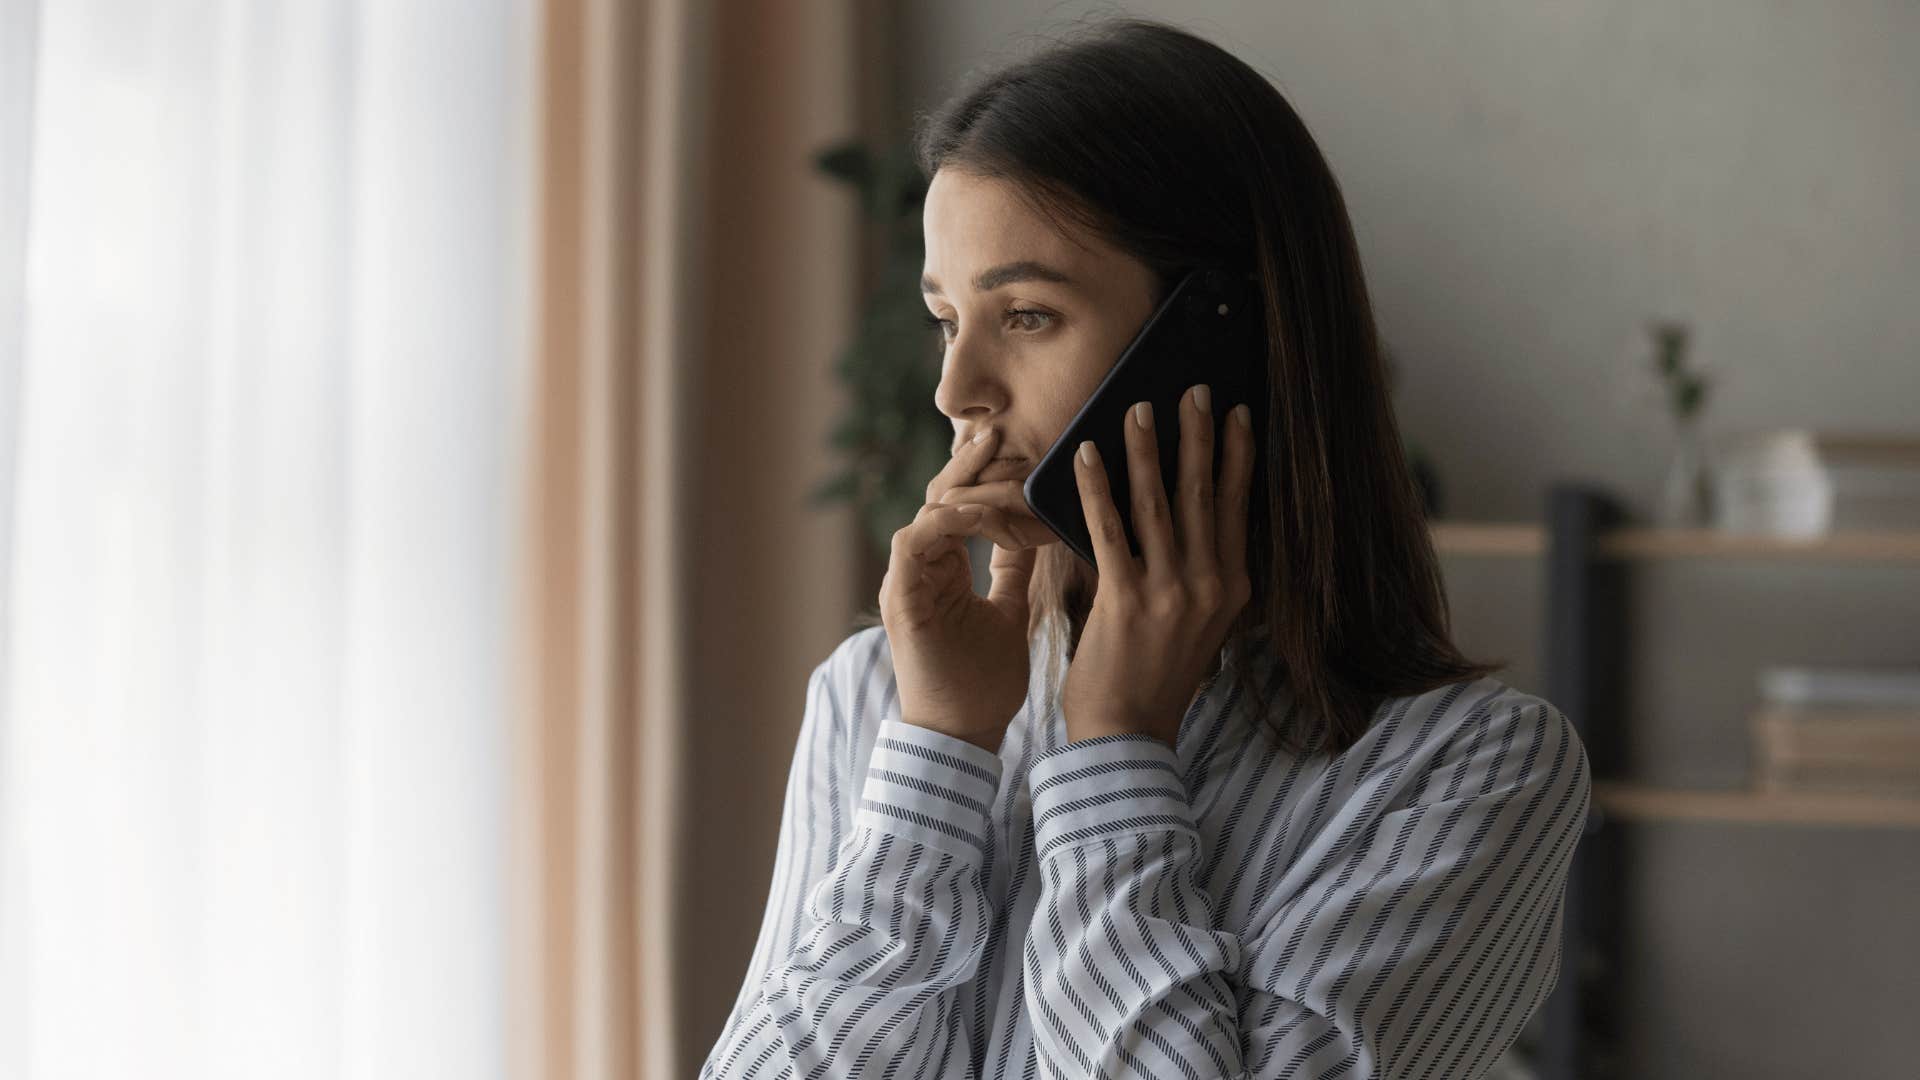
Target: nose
[970,387]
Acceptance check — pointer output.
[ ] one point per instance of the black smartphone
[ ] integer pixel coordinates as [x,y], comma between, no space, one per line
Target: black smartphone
[1208,330]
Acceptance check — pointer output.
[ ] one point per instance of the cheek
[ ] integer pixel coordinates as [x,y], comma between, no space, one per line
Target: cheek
[1059,385]
[1088,362]
[1058,403]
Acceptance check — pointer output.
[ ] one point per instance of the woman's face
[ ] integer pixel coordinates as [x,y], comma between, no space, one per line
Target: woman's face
[1032,320]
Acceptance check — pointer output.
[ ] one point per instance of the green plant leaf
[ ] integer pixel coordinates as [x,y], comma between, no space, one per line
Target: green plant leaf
[847,161]
[890,439]
[841,487]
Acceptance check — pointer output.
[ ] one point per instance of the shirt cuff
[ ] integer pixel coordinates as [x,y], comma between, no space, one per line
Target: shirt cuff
[931,788]
[1106,786]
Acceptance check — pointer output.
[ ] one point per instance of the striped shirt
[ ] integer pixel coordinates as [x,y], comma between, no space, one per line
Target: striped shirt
[1115,907]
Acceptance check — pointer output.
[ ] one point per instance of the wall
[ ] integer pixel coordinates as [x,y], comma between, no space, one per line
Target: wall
[1531,182]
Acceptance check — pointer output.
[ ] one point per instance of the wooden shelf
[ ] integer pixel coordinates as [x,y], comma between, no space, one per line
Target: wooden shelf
[1637,802]
[1487,538]
[1522,539]
[1898,546]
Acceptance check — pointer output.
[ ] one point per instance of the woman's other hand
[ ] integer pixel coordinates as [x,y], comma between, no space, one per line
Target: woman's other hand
[960,660]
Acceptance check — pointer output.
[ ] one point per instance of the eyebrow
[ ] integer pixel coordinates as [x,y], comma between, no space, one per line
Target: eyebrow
[1005,274]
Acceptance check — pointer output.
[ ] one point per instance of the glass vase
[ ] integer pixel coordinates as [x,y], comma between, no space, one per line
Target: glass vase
[1686,499]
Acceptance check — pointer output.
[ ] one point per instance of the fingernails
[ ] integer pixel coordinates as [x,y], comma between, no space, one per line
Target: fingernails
[981,435]
[1088,455]
[1203,398]
[1143,415]
[972,510]
[1242,416]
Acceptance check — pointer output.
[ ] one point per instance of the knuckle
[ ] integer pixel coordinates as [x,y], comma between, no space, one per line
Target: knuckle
[1242,591]
[1208,591]
[1110,530]
[1168,603]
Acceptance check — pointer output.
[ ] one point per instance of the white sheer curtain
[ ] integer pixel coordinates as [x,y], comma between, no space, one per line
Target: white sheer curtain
[262,280]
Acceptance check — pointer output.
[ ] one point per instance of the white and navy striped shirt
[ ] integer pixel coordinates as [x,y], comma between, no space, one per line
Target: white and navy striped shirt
[1116,907]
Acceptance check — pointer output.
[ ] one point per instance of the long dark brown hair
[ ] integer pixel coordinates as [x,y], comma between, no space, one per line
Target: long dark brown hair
[1178,153]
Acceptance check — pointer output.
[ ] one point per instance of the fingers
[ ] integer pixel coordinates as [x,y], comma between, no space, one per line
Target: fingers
[935,533]
[1012,571]
[1013,526]
[1236,488]
[1007,497]
[940,527]
[926,538]
[1111,558]
[1196,479]
[995,524]
[1151,521]
[965,464]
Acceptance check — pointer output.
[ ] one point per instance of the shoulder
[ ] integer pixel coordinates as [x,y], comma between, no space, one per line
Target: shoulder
[1507,705]
[1486,706]
[1491,736]
[1516,712]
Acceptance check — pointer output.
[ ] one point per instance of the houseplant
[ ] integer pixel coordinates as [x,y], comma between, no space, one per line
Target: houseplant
[891,437]
[1686,498]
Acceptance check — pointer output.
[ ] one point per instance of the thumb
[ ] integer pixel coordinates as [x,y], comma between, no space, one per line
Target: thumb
[1011,572]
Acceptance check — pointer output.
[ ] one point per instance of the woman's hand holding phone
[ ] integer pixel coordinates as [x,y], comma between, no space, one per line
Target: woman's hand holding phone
[960,660]
[1159,619]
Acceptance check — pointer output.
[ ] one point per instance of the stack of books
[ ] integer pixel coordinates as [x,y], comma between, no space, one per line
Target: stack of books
[1875,479]
[1840,730]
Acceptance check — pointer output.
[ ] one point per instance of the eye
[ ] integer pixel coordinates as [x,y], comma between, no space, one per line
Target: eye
[1026,319]
[1027,313]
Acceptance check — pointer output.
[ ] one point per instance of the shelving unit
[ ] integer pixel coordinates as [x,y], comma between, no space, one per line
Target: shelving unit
[1586,551]
[1636,802]
[1526,540]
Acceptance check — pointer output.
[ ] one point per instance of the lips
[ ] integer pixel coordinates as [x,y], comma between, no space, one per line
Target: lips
[1004,468]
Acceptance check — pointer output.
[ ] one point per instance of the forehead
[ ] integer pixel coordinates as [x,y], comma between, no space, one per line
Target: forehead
[971,222]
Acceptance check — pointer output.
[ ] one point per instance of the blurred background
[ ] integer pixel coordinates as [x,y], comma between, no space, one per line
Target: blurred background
[438,439]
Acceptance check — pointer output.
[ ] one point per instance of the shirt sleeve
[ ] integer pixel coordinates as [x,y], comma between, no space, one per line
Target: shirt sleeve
[1125,976]
[866,945]
[1414,945]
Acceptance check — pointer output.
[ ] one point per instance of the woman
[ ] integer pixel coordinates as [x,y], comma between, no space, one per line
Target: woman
[1267,821]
